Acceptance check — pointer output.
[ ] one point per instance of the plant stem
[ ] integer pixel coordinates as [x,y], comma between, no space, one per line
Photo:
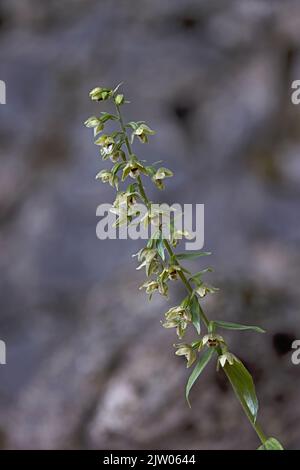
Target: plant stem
[182,276]
[186,282]
[127,143]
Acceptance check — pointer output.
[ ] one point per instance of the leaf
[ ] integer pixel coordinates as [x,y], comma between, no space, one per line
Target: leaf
[134,125]
[107,116]
[193,255]
[271,444]
[161,248]
[237,326]
[150,170]
[153,239]
[131,188]
[195,311]
[243,386]
[197,276]
[203,361]
[186,301]
[117,167]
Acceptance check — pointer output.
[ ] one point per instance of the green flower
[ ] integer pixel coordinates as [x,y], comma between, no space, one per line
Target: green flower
[160,175]
[179,318]
[204,289]
[163,288]
[152,216]
[124,207]
[107,177]
[173,271]
[116,155]
[226,357]
[107,144]
[180,325]
[149,259]
[98,123]
[95,123]
[104,175]
[188,351]
[100,94]
[92,121]
[177,235]
[133,169]
[155,216]
[212,340]
[125,198]
[142,131]
[150,286]
[178,312]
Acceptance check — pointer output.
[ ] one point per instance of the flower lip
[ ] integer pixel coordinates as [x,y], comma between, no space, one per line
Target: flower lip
[212,340]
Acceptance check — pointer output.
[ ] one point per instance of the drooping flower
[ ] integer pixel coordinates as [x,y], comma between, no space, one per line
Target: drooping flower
[179,318]
[160,175]
[188,351]
[203,289]
[212,340]
[133,169]
[107,176]
[92,122]
[116,155]
[100,94]
[107,144]
[150,261]
[142,131]
[226,357]
[150,286]
[173,271]
[178,312]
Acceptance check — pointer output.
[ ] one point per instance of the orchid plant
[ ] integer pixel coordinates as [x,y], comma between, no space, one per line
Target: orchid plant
[163,264]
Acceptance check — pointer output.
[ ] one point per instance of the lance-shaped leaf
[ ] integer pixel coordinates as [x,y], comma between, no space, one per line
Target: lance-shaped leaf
[160,248]
[192,255]
[271,444]
[243,386]
[117,167]
[195,311]
[237,326]
[107,116]
[197,277]
[200,366]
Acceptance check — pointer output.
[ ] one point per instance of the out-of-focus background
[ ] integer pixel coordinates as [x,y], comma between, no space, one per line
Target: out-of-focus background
[88,364]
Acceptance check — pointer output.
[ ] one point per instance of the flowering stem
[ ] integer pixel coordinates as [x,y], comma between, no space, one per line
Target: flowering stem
[181,274]
[147,202]
[186,282]
[127,143]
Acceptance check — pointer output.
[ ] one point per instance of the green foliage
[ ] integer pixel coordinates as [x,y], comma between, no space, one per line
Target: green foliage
[271,444]
[243,386]
[158,259]
[196,315]
[191,255]
[237,326]
[200,366]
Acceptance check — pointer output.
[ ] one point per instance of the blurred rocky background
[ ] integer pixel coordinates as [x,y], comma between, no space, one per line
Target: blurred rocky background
[88,364]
